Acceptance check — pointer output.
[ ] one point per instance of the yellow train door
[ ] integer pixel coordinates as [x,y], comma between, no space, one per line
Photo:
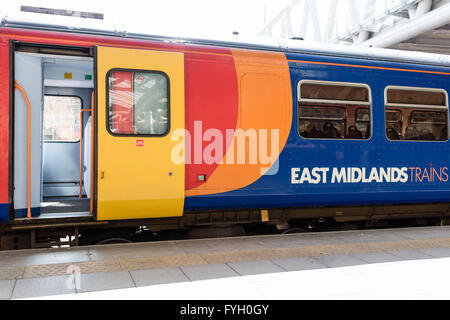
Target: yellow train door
[140,105]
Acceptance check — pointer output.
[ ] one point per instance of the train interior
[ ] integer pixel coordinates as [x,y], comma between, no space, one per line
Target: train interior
[60,90]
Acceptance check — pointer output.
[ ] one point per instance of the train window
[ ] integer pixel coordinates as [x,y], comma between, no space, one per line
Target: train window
[61,118]
[334,110]
[416,114]
[138,102]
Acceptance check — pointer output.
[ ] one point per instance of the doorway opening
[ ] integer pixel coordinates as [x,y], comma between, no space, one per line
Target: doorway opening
[53,178]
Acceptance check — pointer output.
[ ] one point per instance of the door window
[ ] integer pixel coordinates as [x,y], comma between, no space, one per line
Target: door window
[138,103]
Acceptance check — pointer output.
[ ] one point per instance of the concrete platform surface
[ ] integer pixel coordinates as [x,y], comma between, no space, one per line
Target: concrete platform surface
[400,280]
[50,272]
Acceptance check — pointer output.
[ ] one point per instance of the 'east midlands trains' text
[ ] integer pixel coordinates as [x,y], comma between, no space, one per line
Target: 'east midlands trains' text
[368,175]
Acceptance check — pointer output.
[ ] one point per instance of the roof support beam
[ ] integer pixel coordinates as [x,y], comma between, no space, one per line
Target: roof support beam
[377,23]
[423,7]
[428,21]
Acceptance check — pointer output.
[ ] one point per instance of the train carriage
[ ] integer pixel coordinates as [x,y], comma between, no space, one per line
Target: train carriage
[103,133]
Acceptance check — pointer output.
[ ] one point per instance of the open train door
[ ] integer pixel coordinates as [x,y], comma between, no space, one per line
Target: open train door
[140,95]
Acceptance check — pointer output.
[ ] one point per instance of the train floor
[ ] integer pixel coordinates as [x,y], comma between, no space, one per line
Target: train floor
[64,205]
[384,263]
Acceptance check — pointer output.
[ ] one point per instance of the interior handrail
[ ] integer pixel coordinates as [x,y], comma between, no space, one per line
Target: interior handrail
[92,153]
[81,148]
[17,86]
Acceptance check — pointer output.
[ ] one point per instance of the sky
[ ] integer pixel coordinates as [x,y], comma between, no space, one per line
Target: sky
[203,18]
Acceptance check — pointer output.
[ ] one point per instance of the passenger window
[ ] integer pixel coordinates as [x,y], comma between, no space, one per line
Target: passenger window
[334,110]
[416,114]
[138,102]
[61,118]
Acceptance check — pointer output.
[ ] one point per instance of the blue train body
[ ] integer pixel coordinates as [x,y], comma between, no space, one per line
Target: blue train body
[278,191]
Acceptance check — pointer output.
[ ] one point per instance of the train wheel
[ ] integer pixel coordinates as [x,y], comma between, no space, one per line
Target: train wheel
[294,230]
[114,240]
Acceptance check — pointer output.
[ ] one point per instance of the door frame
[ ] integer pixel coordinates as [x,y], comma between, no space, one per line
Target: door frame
[13,45]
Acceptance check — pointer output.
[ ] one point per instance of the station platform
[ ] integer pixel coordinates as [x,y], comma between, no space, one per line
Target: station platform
[80,271]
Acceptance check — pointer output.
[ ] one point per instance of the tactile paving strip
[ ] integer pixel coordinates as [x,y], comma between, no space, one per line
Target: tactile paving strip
[162,262]
[48,270]
[11,273]
[320,250]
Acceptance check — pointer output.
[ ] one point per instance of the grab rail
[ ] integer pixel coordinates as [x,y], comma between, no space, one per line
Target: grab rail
[81,148]
[17,86]
[92,153]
